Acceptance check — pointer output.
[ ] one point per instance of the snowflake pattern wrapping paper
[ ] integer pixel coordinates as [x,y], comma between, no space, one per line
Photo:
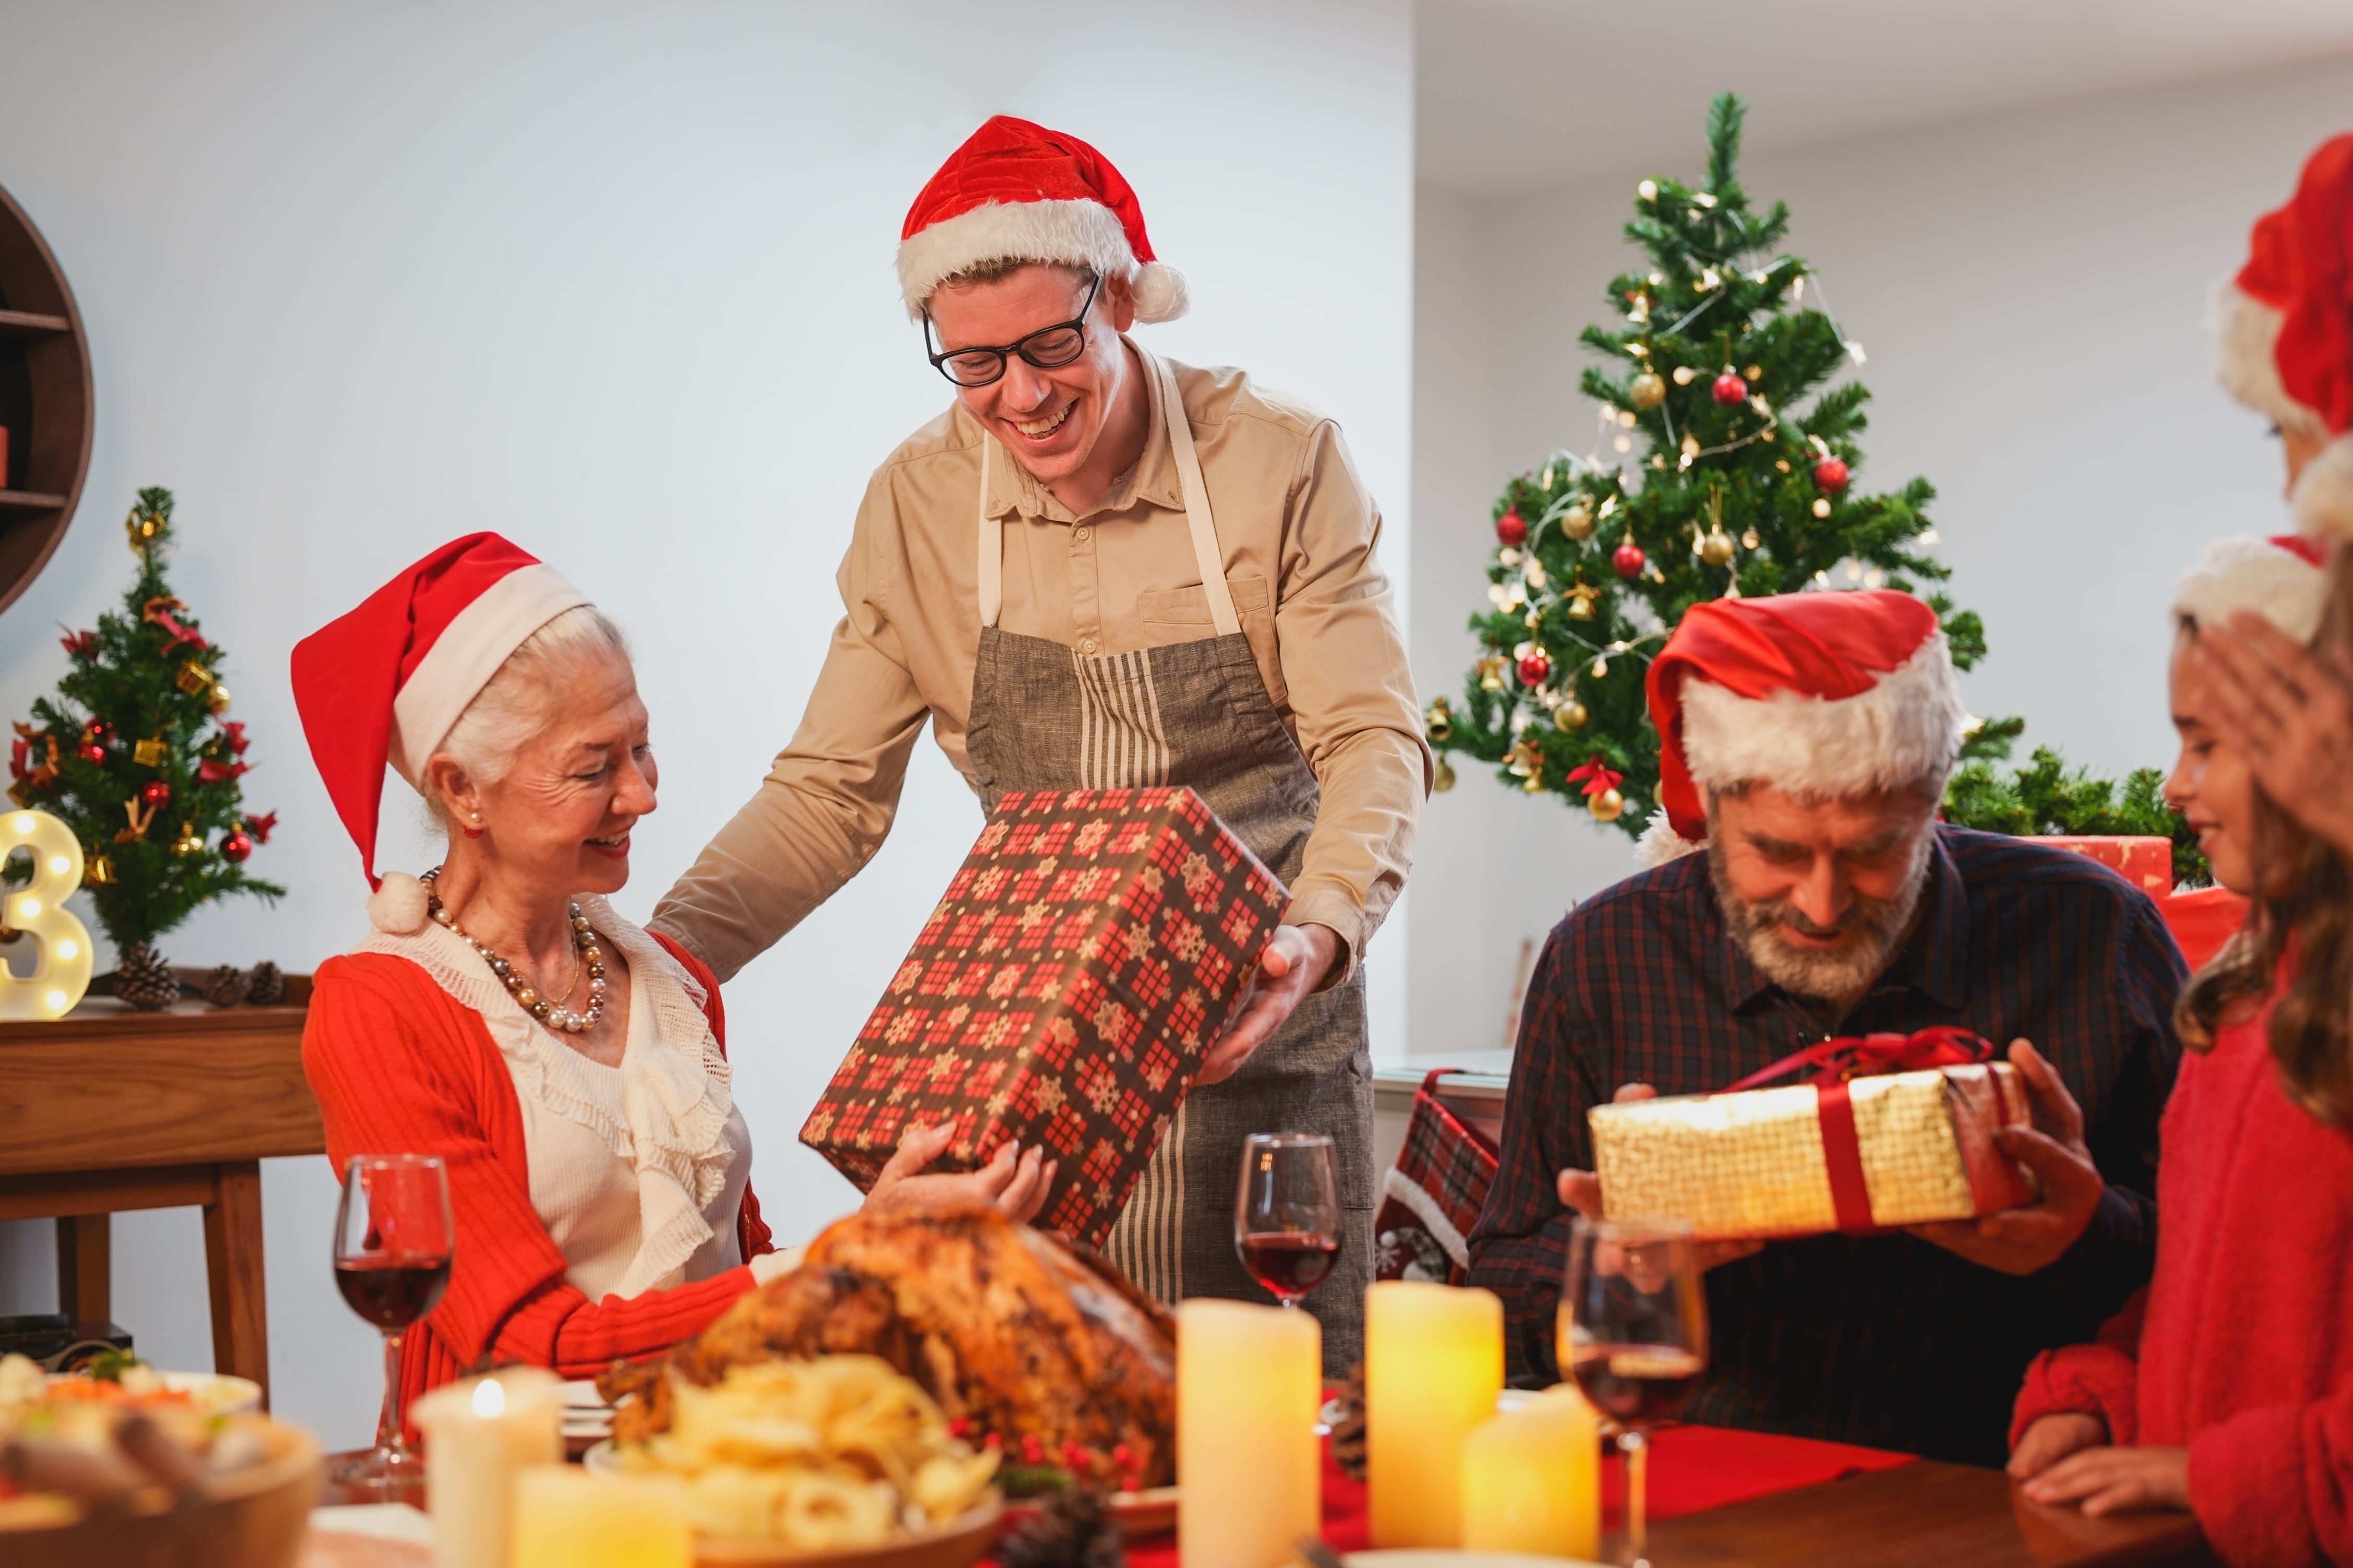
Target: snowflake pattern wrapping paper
[1063,992]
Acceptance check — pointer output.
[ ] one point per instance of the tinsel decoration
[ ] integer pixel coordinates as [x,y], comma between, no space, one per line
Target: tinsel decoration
[1074,1530]
[142,979]
[265,987]
[226,985]
[1348,1431]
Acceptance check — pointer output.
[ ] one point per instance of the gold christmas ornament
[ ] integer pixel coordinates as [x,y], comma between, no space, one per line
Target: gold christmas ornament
[1649,390]
[1580,601]
[1532,784]
[99,871]
[219,704]
[193,678]
[187,843]
[1571,715]
[1748,540]
[1491,674]
[1607,807]
[1444,780]
[1716,548]
[1441,721]
[1752,374]
[148,753]
[1578,521]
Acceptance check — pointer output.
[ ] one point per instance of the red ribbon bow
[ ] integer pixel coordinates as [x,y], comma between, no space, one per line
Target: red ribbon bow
[1597,775]
[1834,1063]
[158,611]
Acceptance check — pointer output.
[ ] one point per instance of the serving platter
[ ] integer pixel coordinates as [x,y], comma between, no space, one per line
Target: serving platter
[216,1394]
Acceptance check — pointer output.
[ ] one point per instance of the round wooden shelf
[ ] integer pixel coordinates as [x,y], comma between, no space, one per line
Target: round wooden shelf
[44,402]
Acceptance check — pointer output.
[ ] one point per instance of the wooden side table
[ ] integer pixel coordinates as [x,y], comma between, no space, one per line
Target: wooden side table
[108,1110]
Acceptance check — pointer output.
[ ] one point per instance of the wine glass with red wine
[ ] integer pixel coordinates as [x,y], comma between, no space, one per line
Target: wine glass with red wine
[394,1239]
[1287,1217]
[1633,1333]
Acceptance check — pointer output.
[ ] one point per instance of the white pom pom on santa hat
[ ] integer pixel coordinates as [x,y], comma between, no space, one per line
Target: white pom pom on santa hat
[1821,695]
[398,906]
[1018,192]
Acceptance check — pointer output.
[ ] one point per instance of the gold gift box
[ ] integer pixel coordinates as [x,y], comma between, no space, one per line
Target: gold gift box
[1753,1164]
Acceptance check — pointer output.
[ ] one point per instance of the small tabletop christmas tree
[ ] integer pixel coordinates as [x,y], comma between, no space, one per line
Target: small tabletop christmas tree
[1737,490]
[132,755]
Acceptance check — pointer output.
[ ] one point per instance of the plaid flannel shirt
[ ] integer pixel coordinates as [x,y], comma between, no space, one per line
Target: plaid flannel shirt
[1885,1341]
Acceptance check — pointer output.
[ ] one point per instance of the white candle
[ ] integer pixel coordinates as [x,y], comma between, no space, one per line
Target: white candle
[478,1435]
[1532,1480]
[566,1518]
[1249,1383]
[1433,1366]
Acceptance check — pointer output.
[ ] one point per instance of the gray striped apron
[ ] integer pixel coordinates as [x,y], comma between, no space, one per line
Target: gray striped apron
[1196,713]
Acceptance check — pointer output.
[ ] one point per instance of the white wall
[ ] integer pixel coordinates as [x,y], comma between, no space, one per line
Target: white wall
[2030,289]
[615,280]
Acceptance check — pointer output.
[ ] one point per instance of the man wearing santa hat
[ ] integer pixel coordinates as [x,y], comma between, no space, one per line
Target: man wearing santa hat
[1098,569]
[1809,893]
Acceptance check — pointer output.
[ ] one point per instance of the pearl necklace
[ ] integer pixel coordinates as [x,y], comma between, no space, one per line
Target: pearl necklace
[584,942]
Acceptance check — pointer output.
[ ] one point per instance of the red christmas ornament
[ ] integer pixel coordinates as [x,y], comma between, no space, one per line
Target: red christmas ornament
[1730,389]
[236,845]
[93,754]
[1511,529]
[96,731]
[1830,476]
[1628,558]
[1534,668]
[155,795]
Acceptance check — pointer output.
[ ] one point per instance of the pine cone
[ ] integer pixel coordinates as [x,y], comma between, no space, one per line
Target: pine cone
[1348,1432]
[225,986]
[143,980]
[265,987]
[1074,1530]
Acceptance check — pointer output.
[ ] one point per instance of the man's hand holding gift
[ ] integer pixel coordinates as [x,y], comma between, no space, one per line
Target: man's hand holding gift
[1294,964]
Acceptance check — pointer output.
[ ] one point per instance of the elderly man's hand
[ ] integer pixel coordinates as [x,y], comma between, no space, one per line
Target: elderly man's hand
[1014,1181]
[2115,1480]
[2289,715]
[1294,964]
[2024,1240]
[1581,1191]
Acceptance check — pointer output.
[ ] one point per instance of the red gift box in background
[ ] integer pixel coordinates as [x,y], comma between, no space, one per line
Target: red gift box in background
[1063,993]
[2145,863]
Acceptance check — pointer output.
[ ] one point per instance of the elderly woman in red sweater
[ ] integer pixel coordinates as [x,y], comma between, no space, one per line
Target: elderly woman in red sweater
[2227,1386]
[568,1066]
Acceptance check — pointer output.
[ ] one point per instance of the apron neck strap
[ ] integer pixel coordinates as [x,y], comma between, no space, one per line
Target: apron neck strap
[1198,522]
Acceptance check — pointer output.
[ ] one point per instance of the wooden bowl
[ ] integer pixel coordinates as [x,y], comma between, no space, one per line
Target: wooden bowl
[256,1518]
[959,1543]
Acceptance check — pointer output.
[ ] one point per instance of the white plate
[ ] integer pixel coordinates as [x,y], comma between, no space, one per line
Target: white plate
[1460,1560]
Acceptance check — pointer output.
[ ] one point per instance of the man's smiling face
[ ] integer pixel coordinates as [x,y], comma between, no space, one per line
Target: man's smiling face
[1051,420]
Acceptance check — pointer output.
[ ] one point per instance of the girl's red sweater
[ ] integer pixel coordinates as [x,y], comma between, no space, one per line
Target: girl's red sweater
[399,1066]
[2240,1348]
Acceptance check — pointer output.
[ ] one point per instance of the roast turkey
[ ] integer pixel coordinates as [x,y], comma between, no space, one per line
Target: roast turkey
[1016,1332]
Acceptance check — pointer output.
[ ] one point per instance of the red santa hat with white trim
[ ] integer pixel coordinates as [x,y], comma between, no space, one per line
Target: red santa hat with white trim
[2283,333]
[1018,192]
[389,681]
[1822,694]
[2281,579]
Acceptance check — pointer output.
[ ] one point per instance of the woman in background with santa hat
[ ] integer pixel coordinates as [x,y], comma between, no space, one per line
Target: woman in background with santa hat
[568,1067]
[2227,1387]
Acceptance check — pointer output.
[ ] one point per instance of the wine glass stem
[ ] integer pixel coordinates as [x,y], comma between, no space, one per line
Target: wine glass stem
[1637,1449]
[388,1439]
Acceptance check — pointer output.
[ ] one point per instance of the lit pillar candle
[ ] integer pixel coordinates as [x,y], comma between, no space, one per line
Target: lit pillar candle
[478,1435]
[1433,1366]
[1250,1381]
[566,1518]
[1531,1480]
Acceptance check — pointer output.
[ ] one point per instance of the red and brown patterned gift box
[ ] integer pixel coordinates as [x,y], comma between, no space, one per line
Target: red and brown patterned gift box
[2146,863]
[1063,993]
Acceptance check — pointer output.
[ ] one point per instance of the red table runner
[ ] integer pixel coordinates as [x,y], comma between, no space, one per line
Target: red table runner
[1692,1469]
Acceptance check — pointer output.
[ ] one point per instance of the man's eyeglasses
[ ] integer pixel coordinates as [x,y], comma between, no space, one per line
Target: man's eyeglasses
[1048,348]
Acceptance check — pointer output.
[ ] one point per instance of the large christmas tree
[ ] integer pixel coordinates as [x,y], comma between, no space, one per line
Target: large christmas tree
[1731,420]
[134,755]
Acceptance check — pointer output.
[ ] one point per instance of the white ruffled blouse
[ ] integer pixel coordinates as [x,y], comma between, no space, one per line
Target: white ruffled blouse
[637,1171]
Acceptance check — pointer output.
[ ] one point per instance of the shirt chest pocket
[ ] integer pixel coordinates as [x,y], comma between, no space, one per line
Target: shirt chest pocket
[1189,608]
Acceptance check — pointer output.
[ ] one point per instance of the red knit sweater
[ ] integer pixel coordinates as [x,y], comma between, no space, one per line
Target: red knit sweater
[2240,1348]
[401,1067]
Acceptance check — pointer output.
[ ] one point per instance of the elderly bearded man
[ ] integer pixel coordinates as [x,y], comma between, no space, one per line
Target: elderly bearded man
[1039,575]
[1807,742]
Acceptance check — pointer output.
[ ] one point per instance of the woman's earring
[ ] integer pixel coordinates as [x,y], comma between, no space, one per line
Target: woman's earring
[474,832]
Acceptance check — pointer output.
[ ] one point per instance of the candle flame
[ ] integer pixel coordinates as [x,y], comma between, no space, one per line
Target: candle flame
[490,1399]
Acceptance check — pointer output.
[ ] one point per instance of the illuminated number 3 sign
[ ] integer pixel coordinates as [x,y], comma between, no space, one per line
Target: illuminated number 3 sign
[61,971]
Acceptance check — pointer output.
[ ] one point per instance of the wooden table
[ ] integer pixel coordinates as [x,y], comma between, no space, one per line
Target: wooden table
[1921,1515]
[108,1108]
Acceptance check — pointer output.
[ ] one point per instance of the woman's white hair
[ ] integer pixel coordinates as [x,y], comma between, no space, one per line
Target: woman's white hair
[519,701]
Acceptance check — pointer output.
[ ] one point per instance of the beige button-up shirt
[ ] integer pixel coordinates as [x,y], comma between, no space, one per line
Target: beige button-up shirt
[1297,530]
